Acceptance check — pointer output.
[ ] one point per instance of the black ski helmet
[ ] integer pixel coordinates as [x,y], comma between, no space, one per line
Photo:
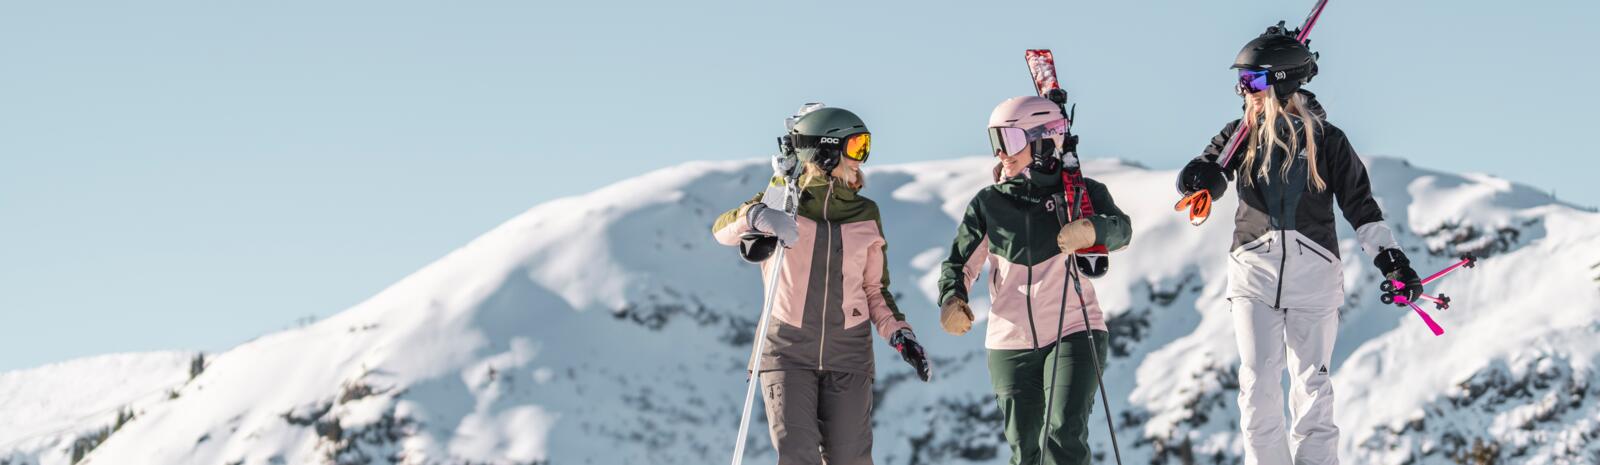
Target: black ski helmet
[1292,63]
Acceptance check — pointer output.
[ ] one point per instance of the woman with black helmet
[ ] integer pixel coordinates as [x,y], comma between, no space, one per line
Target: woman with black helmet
[1285,278]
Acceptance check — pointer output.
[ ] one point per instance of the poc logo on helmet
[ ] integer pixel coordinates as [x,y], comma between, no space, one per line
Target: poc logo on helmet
[829,140]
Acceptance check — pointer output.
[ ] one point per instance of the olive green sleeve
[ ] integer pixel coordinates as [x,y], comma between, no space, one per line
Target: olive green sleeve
[729,224]
[966,254]
[1112,227]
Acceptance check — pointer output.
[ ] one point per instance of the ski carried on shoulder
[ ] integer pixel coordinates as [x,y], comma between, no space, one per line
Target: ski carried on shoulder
[1070,204]
[1092,261]
[1199,203]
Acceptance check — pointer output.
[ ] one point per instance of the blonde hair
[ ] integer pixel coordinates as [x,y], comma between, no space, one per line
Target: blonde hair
[1268,109]
[851,176]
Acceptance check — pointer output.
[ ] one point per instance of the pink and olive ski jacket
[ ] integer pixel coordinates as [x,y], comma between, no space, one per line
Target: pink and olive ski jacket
[834,282]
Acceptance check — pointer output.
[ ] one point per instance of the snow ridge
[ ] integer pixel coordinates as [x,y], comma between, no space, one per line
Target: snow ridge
[608,328]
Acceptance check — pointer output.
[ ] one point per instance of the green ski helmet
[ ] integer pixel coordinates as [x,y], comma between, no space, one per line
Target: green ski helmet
[823,135]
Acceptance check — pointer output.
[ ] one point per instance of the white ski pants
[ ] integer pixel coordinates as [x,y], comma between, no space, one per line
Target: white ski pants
[1264,335]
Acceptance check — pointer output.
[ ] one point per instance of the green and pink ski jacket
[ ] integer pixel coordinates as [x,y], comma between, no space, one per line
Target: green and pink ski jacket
[1012,226]
[835,280]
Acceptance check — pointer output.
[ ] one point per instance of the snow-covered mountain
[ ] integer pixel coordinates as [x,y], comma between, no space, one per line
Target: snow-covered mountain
[609,328]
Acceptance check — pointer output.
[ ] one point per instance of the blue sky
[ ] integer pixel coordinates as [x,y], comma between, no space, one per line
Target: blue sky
[189,175]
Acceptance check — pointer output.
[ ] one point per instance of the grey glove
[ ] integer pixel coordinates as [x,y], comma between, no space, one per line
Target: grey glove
[774,222]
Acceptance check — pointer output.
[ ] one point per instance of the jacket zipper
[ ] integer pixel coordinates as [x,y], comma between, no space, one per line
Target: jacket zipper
[1027,234]
[1282,263]
[1267,242]
[1304,247]
[1283,236]
[826,271]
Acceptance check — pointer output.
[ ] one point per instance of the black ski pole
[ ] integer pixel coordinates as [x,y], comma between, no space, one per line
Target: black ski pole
[1094,352]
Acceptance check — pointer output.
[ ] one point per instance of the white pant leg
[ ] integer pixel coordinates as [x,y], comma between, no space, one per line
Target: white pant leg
[1310,335]
[1258,329]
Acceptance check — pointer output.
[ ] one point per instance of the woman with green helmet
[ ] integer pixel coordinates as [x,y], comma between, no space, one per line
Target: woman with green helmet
[816,367]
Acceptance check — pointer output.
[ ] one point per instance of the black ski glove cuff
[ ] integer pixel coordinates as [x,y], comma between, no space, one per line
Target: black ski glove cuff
[1395,266]
[1205,175]
[1390,260]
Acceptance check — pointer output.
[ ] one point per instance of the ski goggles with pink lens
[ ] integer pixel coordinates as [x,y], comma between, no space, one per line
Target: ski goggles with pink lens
[1011,141]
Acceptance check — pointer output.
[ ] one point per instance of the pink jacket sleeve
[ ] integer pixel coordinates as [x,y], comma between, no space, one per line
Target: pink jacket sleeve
[885,313]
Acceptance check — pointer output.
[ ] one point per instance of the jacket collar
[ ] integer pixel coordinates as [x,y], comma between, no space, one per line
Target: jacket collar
[1030,185]
[818,186]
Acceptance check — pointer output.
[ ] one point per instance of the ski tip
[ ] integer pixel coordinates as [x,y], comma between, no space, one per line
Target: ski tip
[1198,204]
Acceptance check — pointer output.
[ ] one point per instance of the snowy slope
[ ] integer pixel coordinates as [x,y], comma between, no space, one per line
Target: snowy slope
[608,328]
[47,411]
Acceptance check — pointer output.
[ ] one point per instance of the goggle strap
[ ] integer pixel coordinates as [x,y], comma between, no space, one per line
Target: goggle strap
[802,141]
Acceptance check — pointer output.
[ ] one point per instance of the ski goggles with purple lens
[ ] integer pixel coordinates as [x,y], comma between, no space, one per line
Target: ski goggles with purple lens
[1252,81]
[1011,141]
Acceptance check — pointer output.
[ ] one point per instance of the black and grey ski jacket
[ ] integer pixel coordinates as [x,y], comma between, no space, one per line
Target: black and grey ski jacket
[1285,252]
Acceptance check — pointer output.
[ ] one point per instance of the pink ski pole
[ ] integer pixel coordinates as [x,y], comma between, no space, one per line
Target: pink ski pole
[1442,302]
[1466,261]
[1432,326]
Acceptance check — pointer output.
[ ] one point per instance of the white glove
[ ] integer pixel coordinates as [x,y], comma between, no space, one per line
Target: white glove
[774,222]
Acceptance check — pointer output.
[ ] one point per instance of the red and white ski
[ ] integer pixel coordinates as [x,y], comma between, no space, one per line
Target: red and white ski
[1093,261]
[1042,65]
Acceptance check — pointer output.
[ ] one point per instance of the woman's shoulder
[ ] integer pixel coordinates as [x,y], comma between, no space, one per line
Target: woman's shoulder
[1331,132]
[868,205]
[1094,184]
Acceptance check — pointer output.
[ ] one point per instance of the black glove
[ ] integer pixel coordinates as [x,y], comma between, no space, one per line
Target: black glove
[905,342]
[1395,266]
[1202,175]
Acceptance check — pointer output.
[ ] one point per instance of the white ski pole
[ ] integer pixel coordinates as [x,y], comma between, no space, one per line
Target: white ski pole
[790,195]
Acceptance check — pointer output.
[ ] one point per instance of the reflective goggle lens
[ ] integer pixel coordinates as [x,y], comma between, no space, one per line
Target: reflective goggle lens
[858,146]
[1009,141]
[1253,81]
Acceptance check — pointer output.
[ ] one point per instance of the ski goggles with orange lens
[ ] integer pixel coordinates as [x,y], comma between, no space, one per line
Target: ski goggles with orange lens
[1011,141]
[855,146]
